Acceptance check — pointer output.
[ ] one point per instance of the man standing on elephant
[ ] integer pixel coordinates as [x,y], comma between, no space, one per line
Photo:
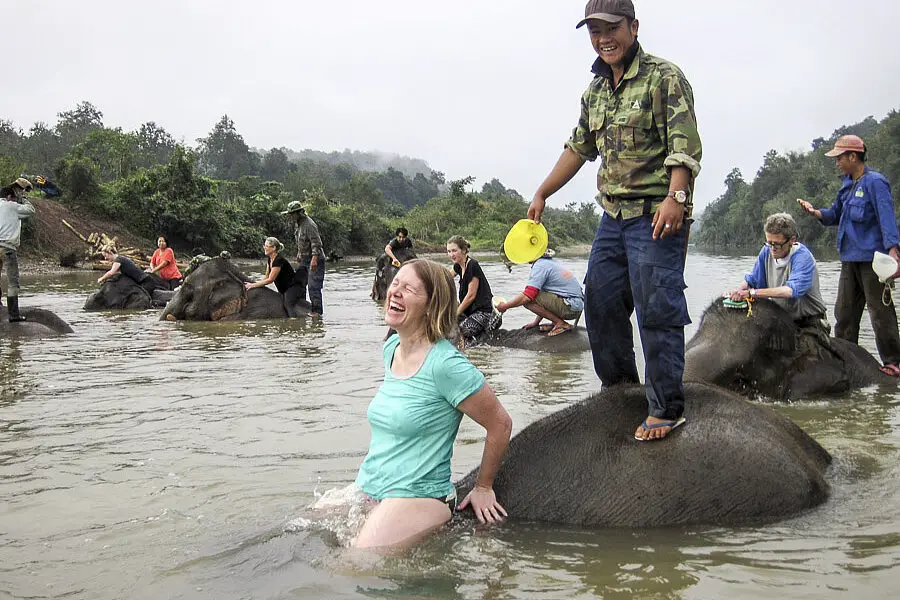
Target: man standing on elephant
[864,213]
[14,207]
[637,115]
[310,254]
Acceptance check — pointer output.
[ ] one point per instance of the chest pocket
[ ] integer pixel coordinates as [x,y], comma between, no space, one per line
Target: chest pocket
[859,209]
[635,133]
[597,125]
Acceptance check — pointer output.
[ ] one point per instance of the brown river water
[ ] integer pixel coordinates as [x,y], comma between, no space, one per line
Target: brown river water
[147,459]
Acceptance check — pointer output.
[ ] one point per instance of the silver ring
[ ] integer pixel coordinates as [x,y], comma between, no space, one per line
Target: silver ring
[667,225]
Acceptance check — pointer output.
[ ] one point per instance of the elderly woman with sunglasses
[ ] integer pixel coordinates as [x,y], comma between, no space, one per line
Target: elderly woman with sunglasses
[785,272]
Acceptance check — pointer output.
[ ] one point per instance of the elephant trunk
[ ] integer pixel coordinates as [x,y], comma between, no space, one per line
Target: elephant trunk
[707,362]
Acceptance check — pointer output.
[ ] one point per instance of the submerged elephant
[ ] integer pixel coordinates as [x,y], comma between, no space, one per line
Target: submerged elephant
[38,323]
[214,291]
[121,292]
[733,462]
[385,271]
[765,353]
[532,339]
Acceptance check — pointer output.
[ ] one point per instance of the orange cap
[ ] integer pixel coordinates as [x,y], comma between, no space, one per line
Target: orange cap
[847,143]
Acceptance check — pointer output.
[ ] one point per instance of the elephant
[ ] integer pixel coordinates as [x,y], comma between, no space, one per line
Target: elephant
[532,339]
[385,271]
[733,462]
[121,292]
[214,291]
[38,322]
[764,353]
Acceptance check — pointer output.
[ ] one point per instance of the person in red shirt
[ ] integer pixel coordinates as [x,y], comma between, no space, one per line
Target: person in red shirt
[162,263]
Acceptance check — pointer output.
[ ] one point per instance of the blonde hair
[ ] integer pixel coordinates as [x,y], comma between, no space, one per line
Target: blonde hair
[461,243]
[440,310]
[109,250]
[274,243]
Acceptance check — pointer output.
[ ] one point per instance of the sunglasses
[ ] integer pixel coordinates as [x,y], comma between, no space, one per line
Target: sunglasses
[777,245]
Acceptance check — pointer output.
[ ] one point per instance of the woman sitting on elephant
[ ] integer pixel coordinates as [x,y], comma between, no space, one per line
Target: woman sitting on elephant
[428,386]
[162,263]
[121,264]
[476,312]
[280,272]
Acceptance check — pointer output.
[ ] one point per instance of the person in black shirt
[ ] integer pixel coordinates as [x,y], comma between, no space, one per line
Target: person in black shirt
[290,284]
[400,241]
[121,264]
[476,312]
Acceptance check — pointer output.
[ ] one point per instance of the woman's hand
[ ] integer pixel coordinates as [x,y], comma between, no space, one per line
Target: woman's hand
[248,285]
[484,505]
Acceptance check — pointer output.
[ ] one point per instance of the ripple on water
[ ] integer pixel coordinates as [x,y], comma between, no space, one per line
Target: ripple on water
[148,459]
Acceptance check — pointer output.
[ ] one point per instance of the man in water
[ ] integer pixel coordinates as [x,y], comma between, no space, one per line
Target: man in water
[310,254]
[864,214]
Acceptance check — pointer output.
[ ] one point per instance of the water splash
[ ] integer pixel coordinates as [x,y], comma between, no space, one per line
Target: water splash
[340,511]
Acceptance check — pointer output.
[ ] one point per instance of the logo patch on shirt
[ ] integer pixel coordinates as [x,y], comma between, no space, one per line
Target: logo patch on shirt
[860,193]
[636,105]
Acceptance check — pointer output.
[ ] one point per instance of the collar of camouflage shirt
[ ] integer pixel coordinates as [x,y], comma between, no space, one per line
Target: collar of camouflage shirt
[604,70]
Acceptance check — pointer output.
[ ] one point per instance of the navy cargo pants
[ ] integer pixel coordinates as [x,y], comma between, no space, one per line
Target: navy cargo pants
[628,270]
[315,281]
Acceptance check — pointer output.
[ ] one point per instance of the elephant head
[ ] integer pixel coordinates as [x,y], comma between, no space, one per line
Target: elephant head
[214,291]
[385,271]
[121,292]
[761,351]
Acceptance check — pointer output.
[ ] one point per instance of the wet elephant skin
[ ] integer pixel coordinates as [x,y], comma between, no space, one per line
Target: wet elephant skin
[762,354]
[733,462]
[38,323]
[214,291]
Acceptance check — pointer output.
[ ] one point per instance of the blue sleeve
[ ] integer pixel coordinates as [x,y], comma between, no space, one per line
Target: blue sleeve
[757,277]
[538,276]
[831,216]
[884,208]
[803,267]
[455,377]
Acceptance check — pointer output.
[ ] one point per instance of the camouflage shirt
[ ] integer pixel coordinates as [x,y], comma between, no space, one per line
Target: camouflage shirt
[309,242]
[639,130]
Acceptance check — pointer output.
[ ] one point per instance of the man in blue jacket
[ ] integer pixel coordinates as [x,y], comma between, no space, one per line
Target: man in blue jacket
[864,213]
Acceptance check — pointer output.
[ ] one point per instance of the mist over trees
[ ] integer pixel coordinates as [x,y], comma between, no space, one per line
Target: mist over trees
[735,219]
[223,195]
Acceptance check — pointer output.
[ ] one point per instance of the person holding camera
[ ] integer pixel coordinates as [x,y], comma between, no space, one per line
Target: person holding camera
[14,207]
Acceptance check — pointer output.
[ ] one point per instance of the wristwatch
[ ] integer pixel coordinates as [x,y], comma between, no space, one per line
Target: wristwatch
[680,196]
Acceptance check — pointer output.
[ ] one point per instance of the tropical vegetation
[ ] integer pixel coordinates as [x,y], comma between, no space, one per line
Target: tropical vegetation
[220,194]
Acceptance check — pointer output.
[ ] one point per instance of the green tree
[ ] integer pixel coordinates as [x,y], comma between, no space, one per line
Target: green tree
[224,154]
[75,125]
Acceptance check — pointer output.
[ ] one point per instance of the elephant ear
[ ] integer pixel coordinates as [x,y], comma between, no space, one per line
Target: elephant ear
[227,300]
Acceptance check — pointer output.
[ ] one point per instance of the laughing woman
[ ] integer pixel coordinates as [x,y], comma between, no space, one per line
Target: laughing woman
[428,386]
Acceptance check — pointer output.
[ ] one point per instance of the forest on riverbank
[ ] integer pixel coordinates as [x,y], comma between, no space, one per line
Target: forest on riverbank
[220,194]
[735,219]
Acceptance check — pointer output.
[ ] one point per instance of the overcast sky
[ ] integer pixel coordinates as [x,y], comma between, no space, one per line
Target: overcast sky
[488,88]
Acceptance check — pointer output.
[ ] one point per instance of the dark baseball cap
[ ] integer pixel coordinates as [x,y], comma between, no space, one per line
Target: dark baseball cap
[611,11]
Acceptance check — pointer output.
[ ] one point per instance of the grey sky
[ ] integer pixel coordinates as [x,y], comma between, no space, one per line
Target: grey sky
[482,87]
